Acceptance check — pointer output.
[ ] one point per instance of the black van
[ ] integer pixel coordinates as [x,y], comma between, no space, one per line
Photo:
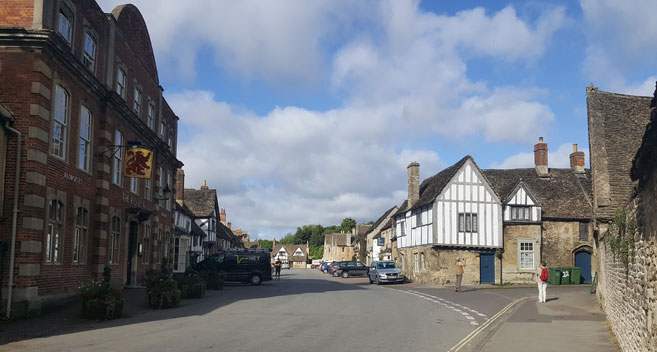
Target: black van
[252,265]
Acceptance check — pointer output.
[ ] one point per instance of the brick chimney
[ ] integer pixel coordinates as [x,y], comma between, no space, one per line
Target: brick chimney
[205,185]
[541,158]
[577,161]
[222,215]
[180,186]
[413,183]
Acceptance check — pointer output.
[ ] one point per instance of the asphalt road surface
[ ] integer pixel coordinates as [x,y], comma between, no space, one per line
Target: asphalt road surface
[304,311]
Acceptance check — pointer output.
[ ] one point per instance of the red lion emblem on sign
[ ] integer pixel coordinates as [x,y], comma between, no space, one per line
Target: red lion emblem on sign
[137,162]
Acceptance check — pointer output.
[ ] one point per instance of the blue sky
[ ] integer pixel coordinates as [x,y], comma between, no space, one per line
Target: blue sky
[306,112]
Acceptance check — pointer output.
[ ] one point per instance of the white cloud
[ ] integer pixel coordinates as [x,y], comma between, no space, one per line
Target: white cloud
[402,73]
[556,159]
[621,41]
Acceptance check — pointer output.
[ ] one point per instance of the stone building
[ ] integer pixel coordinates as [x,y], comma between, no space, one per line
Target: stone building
[296,255]
[339,247]
[502,222]
[375,240]
[622,135]
[82,87]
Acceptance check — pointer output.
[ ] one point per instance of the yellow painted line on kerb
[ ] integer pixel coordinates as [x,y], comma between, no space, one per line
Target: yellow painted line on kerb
[476,332]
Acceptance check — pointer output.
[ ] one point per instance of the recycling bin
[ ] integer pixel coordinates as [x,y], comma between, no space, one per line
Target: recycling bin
[576,275]
[565,276]
[555,276]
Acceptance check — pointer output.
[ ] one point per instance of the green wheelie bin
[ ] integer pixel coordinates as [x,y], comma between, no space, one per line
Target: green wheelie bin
[555,276]
[576,275]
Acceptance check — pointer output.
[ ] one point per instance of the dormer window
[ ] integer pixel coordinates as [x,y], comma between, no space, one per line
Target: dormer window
[89,55]
[520,213]
[64,25]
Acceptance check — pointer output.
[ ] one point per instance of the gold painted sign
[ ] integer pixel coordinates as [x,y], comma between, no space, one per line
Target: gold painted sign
[138,163]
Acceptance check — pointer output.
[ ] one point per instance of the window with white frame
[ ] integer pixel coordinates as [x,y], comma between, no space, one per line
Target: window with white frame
[422,267]
[416,261]
[520,213]
[114,237]
[80,236]
[468,222]
[118,159]
[134,185]
[151,115]
[60,121]
[64,24]
[136,103]
[84,153]
[121,78]
[89,52]
[146,244]
[527,254]
[55,231]
[180,249]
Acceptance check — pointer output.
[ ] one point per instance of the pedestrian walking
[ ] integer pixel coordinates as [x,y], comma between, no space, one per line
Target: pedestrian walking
[541,280]
[460,268]
[277,268]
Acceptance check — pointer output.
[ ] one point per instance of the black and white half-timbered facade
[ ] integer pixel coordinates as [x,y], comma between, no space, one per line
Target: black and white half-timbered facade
[502,222]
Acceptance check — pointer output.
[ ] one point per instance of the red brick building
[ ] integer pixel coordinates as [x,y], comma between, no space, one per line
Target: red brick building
[81,87]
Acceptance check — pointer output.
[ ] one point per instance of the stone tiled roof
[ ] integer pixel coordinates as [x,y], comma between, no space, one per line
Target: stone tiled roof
[337,239]
[225,233]
[361,231]
[290,249]
[202,202]
[197,230]
[432,186]
[563,194]
[646,157]
[617,123]
[381,219]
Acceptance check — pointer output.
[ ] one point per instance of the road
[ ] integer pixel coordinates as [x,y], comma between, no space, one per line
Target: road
[310,311]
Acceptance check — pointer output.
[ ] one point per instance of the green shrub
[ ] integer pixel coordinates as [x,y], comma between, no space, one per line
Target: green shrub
[214,280]
[162,291]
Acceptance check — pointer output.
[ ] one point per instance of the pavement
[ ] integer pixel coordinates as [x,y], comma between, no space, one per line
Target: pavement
[501,318]
[570,320]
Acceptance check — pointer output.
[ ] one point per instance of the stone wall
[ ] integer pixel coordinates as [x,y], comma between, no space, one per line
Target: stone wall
[511,271]
[440,265]
[628,294]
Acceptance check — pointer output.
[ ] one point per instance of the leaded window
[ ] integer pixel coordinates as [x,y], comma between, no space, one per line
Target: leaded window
[80,236]
[526,255]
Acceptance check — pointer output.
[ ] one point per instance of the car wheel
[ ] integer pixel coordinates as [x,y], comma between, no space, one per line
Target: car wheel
[255,280]
[345,274]
[377,280]
[335,274]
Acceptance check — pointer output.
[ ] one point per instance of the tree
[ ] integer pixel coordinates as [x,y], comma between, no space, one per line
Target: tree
[266,243]
[316,252]
[347,224]
[288,239]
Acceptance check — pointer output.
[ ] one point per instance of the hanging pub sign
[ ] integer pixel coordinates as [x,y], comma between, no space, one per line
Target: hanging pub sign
[138,163]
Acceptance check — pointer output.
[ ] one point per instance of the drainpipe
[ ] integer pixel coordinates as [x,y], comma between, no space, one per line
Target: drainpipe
[12,250]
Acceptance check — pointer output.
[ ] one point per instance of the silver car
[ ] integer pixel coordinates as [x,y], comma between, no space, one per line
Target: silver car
[385,271]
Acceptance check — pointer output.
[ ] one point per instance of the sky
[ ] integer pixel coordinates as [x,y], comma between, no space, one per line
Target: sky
[307,112]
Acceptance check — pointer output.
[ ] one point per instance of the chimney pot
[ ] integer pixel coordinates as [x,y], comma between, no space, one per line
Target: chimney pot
[541,158]
[205,185]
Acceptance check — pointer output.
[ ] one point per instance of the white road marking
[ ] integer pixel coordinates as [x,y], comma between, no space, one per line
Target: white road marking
[447,304]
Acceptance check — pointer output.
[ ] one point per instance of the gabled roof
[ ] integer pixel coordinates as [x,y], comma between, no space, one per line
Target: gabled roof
[521,184]
[434,185]
[197,230]
[563,194]
[202,202]
[646,157]
[337,239]
[617,123]
[381,219]
[224,232]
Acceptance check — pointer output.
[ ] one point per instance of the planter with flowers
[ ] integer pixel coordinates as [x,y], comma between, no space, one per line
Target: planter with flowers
[161,290]
[100,301]
[192,286]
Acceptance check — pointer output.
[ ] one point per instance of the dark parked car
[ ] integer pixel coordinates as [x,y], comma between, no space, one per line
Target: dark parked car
[241,265]
[385,271]
[351,268]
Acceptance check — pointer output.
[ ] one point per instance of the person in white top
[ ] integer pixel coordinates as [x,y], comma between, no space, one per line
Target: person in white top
[542,284]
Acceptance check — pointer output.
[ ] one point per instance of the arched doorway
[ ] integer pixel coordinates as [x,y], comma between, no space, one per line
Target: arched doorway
[583,261]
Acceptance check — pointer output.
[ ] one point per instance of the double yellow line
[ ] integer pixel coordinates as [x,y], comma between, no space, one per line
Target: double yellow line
[473,334]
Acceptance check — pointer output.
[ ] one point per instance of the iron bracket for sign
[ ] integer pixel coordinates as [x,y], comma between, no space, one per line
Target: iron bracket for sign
[114,148]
